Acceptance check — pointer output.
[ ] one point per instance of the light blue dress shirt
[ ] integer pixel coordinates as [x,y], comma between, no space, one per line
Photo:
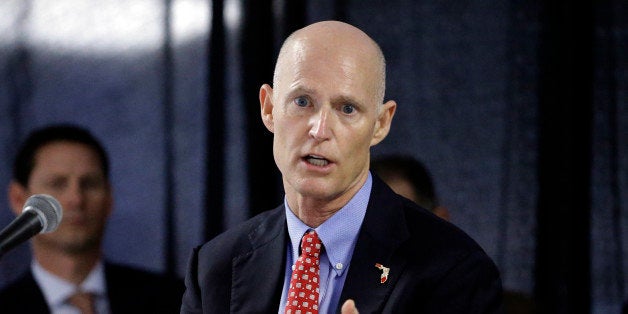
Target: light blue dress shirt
[339,234]
[56,290]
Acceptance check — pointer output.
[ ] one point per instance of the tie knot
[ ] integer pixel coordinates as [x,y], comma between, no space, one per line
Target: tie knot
[311,244]
[83,301]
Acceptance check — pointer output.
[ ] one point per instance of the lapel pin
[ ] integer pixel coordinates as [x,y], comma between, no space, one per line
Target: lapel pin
[385,271]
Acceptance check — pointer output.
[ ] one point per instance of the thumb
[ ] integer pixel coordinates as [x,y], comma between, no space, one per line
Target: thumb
[349,308]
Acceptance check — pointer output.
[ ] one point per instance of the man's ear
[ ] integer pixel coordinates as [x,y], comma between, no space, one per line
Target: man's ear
[266,106]
[17,197]
[382,124]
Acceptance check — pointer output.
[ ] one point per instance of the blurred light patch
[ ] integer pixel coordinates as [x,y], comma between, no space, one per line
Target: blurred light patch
[233,14]
[10,14]
[191,19]
[109,27]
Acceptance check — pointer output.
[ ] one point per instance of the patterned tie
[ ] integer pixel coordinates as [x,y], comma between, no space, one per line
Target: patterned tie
[304,282]
[83,301]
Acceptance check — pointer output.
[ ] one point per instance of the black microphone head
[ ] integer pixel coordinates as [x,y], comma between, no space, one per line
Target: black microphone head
[48,210]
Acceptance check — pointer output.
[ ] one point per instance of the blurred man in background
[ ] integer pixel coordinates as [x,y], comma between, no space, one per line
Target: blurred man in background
[68,273]
[409,178]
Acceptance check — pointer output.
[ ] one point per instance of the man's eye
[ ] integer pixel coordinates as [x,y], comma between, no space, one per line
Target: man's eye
[301,101]
[92,183]
[348,109]
[57,184]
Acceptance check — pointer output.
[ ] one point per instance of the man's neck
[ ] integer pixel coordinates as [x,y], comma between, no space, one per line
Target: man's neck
[71,267]
[314,212]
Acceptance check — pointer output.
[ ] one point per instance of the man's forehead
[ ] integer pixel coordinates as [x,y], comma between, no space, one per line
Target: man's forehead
[305,56]
[346,55]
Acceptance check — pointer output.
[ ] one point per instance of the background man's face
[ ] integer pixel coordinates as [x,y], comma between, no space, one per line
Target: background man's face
[72,173]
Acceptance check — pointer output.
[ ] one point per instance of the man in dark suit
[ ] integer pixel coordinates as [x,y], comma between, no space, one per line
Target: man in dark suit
[68,273]
[362,245]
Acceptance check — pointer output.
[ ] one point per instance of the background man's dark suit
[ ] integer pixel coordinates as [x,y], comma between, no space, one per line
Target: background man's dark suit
[434,266]
[130,291]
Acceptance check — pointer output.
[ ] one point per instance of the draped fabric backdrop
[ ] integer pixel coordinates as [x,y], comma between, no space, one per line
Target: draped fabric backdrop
[518,108]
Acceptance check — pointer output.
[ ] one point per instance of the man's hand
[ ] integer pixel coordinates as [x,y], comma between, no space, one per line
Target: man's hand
[349,308]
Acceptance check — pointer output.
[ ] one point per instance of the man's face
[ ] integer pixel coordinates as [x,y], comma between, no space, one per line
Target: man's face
[72,174]
[325,118]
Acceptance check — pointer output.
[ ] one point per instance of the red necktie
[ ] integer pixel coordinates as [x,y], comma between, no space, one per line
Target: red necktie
[304,282]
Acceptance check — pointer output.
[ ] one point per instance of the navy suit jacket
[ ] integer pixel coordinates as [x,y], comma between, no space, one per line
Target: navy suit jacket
[130,291]
[434,266]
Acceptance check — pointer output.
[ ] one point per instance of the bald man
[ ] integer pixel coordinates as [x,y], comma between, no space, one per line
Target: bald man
[372,249]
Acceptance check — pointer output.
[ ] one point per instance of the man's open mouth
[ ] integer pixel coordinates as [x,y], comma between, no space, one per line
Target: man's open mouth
[317,161]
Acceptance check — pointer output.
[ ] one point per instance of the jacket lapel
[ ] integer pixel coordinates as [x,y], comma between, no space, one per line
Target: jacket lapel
[382,233]
[258,273]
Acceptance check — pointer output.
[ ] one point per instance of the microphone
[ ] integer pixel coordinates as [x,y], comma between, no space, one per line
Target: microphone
[42,213]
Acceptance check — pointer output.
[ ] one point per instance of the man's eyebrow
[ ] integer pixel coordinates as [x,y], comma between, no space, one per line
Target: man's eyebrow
[344,99]
[301,90]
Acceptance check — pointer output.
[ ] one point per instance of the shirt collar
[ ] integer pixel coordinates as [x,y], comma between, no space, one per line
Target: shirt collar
[338,233]
[57,290]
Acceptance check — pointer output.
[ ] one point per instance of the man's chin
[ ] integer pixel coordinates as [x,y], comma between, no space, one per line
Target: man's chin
[72,246]
[318,193]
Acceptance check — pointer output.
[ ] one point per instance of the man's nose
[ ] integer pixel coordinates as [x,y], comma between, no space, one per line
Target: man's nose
[320,125]
[72,196]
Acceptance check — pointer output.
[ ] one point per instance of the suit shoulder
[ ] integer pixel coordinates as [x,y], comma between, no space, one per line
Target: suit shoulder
[445,242]
[425,224]
[134,290]
[13,294]
[14,287]
[242,237]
